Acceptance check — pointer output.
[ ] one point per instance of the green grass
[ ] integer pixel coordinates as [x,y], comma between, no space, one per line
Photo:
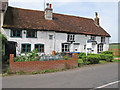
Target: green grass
[116,60]
[116,56]
[116,46]
[102,62]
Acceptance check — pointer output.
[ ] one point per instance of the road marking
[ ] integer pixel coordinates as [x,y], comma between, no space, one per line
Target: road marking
[107,84]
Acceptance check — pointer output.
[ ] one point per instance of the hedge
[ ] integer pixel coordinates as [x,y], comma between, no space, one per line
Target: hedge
[106,57]
[93,59]
[107,52]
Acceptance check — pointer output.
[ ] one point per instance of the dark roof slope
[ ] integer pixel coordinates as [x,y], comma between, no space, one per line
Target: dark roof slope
[32,19]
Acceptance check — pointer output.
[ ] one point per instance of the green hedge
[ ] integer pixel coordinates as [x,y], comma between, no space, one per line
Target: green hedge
[106,57]
[93,59]
[107,52]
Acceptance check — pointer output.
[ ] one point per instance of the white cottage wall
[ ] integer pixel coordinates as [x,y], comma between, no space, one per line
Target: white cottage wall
[58,39]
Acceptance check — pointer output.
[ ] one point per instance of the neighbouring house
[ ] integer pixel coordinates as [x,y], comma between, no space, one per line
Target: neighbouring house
[48,31]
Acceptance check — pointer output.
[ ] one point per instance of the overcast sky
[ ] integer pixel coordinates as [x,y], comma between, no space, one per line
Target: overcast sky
[107,11]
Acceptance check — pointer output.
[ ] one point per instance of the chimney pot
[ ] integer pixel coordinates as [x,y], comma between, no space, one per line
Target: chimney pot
[50,5]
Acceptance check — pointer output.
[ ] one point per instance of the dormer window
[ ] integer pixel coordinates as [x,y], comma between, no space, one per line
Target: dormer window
[31,34]
[93,38]
[71,37]
[103,39]
[16,33]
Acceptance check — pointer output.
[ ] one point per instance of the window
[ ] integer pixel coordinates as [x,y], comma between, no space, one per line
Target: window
[16,33]
[39,47]
[102,39]
[50,37]
[65,47]
[93,38]
[31,34]
[100,48]
[71,37]
[26,48]
[84,46]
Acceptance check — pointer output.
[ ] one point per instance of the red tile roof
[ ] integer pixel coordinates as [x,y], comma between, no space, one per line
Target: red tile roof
[33,19]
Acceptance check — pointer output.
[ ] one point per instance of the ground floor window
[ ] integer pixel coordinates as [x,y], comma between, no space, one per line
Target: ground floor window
[39,47]
[25,48]
[65,47]
[100,48]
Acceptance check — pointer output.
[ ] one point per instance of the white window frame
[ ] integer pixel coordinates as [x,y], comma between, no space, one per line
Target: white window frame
[64,49]
[71,37]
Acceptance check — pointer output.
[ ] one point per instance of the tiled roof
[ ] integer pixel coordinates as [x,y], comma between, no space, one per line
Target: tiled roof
[33,19]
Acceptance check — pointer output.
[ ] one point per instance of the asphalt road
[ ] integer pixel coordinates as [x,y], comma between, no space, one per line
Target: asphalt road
[92,76]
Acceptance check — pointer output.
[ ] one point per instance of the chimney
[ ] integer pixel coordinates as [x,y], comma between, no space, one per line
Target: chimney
[48,12]
[96,19]
[3,5]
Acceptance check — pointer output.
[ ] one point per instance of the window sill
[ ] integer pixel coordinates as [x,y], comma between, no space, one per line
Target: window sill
[15,37]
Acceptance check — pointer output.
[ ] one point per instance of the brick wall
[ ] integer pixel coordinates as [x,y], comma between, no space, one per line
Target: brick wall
[116,52]
[42,65]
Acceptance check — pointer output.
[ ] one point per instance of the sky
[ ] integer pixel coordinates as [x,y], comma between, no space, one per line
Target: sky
[107,11]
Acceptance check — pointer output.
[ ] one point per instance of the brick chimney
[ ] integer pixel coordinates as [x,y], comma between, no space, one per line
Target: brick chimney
[96,18]
[48,12]
[3,5]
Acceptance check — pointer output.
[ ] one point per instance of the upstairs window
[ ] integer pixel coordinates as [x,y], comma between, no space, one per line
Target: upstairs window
[71,37]
[31,34]
[16,33]
[50,37]
[93,38]
[102,39]
[25,48]
[39,47]
[65,47]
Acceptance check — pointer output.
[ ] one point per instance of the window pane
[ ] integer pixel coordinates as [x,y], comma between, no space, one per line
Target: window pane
[50,37]
[41,48]
[14,33]
[28,48]
[33,34]
[18,33]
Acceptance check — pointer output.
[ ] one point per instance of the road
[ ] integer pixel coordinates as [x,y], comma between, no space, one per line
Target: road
[93,76]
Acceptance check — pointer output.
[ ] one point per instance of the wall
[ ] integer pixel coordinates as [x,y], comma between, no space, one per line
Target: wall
[42,65]
[43,38]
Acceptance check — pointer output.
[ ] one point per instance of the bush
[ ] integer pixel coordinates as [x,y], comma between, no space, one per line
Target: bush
[80,55]
[106,57]
[107,52]
[92,59]
[32,56]
[109,57]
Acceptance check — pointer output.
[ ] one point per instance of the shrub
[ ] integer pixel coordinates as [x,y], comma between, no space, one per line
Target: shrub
[80,55]
[92,59]
[102,56]
[20,72]
[107,52]
[109,57]
[32,56]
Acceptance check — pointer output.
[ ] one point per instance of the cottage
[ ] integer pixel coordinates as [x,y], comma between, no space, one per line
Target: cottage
[48,31]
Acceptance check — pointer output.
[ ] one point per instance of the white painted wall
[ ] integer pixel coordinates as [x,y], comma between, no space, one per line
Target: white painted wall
[43,38]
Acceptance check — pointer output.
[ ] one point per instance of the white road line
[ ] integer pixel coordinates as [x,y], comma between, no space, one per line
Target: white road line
[107,84]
